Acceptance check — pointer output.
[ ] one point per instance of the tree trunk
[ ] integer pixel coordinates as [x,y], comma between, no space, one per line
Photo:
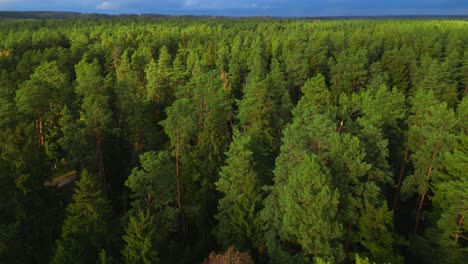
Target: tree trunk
[148,201]
[41,133]
[340,127]
[418,214]
[460,223]
[400,180]
[423,195]
[179,204]
[138,144]
[100,156]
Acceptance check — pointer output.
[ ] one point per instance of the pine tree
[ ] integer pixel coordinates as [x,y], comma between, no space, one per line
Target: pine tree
[309,211]
[153,186]
[237,216]
[375,234]
[140,58]
[349,74]
[282,105]
[40,97]
[213,111]
[296,66]
[257,61]
[430,133]
[450,202]
[436,77]
[85,231]
[180,126]
[7,95]
[178,76]
[307,135]
[95,110]
[140,239]
[74,140]
[396,64]
[130,103]
[158,78]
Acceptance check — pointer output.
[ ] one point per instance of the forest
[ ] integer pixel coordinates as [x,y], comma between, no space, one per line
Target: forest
[138,139]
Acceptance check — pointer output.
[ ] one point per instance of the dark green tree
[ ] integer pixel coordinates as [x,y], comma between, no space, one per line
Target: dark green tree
[238,218]
[139,239]
[349,73]
[153,189]
[41,96]
[95,110]
[431,133]
[309,209]
[85,230]
[180,126]
[158,78]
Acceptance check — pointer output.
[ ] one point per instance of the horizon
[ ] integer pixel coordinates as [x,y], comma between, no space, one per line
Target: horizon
[230,16]
[244,8]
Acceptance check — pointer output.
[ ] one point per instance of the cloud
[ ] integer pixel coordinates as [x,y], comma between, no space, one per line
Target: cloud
[246,7]
[107,5]
[6,2]
[219,5]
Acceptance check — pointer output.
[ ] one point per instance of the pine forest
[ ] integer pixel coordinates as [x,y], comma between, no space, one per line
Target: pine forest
[178,139]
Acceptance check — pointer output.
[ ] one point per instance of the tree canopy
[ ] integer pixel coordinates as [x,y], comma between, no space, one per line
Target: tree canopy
[177,139]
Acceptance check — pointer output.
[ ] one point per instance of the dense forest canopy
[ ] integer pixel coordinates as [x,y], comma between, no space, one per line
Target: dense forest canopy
[256,140]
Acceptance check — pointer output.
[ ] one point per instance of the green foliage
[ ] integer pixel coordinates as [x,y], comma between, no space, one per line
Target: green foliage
[90,86]
[449,200]
[430,133]
[139,240]
[309,207]
[103,258]
[42,92]
[437,78]
[180,124]
[360,260]
[295,169]
[85,229]
[213,111]
[156,177]
[153,187]
[349,72]
[238,222]
[158,77]
[375,227]
[334,118]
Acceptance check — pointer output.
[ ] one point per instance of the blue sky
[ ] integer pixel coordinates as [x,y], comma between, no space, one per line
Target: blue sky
[248,8]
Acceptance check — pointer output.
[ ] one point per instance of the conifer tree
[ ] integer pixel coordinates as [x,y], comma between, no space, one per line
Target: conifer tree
[213,111]
[85,230]
[95,110]
[349,73]
[306,135]
[238,222]
[130,103]
[158,78]
[430,133]
[180,126]
[450,202]
[40,97]
[153,187]
[178,76]
[309,211]
[140,239]
[436,77]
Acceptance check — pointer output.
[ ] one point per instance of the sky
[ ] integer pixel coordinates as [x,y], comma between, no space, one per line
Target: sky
[246,7]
